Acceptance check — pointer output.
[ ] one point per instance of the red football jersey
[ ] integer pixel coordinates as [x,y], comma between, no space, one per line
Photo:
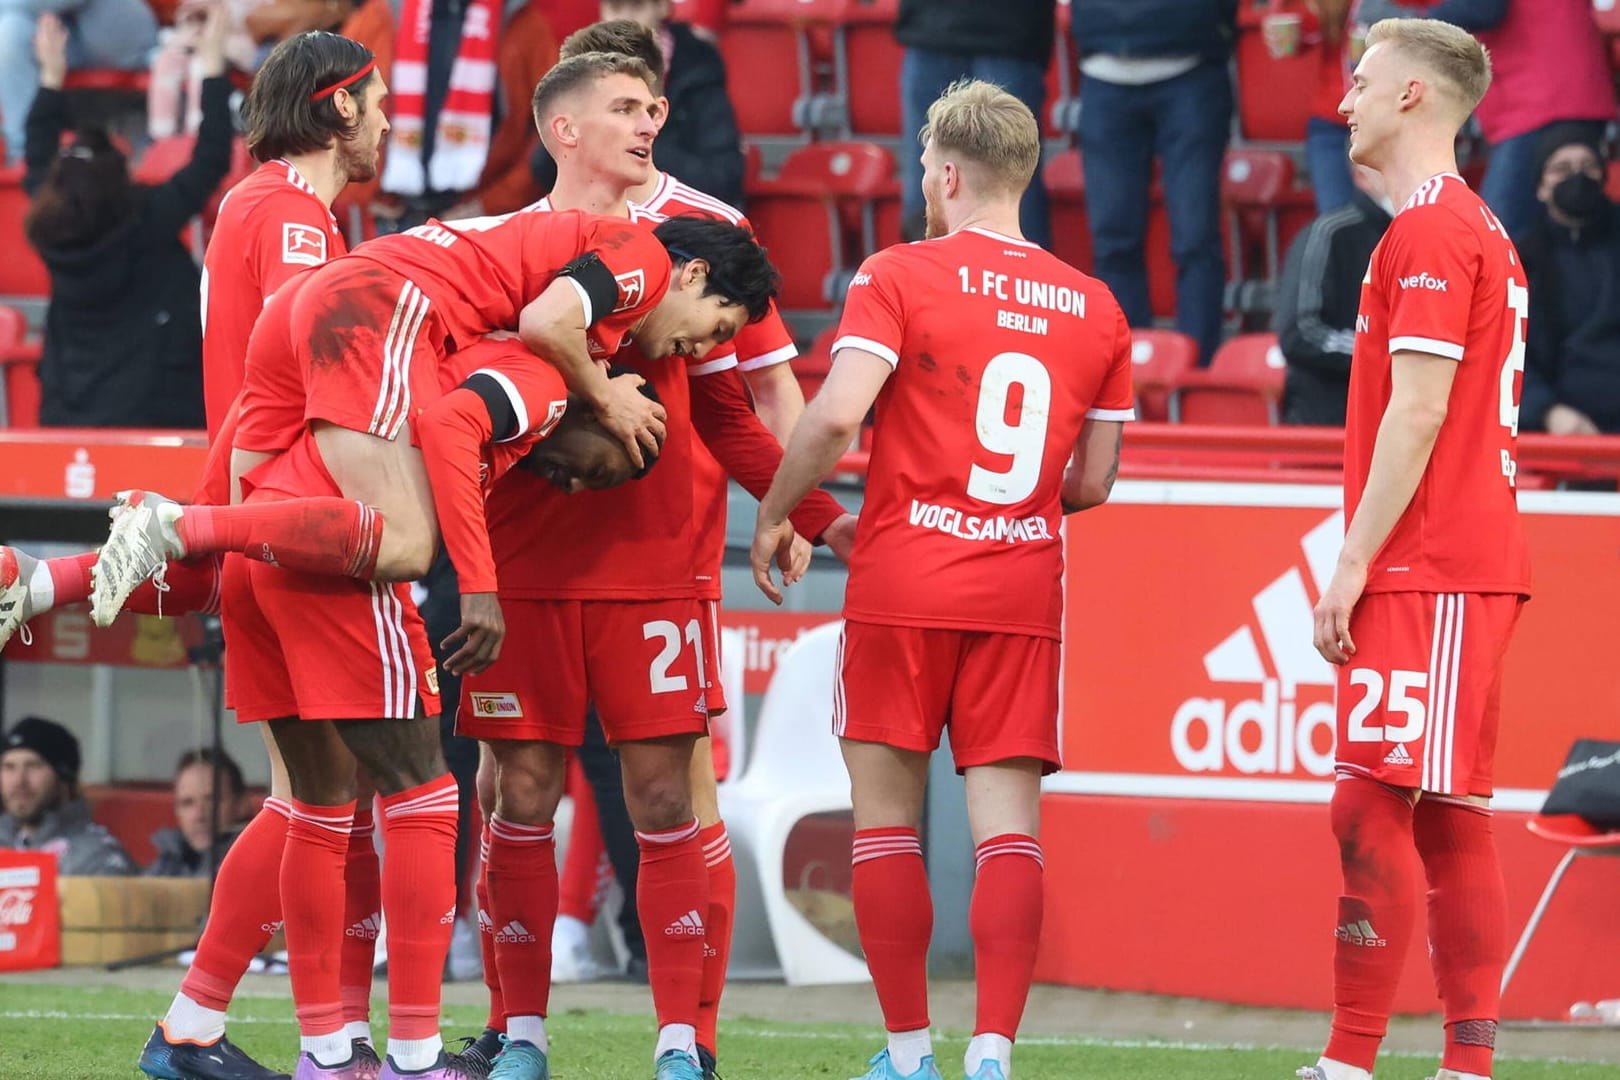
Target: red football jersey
[758,345]
[1001,352]
[1446,280]
[480,274]
[271,226]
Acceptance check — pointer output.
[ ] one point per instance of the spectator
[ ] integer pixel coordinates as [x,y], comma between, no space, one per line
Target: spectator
[1155,83]
[469,156]
[204,823]
[1319,29]
[1571,255]
[101,33]
[1550,65]
[1009,44]
[40,805]
[123,334]
[699,143]
[1317,301]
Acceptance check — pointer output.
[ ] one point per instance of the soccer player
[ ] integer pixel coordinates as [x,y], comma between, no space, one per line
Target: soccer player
[622,597]
[1434,568]
[1001,378]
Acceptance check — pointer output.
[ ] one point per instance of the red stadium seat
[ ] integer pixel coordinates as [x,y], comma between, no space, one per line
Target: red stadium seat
[1607,14]
[771,62]
[818,216]
[866,67]
[1242,385]
[813,367]
[1254,184]
[1159,361]
[1612,186]
[1274,98]
[21,271]
[1580,837]
[19,372]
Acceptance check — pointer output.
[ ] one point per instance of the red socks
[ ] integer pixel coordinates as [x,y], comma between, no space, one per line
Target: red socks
[895,916]
[1468,932]
[1005,917]
[672,897]
[522,875]
[717,929]
[419,897]
[191,586]
[362,917]
[1373,824]
[584,865]
[317,845]
[244,910]
[486,938]
[321,535]
[70,577]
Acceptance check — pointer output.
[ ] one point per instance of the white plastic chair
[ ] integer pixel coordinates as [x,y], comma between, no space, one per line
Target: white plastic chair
[735,721]
[795,770]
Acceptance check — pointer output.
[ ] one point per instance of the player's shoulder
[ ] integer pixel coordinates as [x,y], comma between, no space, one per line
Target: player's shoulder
[1443,206]
[675,197]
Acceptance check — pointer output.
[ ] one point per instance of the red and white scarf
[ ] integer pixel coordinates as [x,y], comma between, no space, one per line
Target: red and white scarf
[461,141]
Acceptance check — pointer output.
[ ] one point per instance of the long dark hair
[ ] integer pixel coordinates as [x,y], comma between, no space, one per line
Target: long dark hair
[286,111]
[86,194]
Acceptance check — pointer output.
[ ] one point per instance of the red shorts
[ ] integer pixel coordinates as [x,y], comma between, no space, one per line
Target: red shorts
[901,686]
[370,345]
[1419,703]
[640,663]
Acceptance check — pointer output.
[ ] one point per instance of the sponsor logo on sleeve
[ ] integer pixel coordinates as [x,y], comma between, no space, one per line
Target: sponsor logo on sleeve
[632,287]
[1424,281]
[302,245]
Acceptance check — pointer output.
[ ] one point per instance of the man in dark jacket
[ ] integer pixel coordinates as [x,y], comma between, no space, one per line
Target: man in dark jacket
[205,825]
[1007,43]
[699,143]
[1156,84]
[1317,300]
[40,805]
[1572,258]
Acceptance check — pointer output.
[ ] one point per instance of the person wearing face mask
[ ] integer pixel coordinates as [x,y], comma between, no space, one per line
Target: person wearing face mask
[1572,257]
[1317,298]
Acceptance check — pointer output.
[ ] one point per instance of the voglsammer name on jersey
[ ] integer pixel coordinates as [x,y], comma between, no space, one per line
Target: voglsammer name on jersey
[950,520]
[1273,733]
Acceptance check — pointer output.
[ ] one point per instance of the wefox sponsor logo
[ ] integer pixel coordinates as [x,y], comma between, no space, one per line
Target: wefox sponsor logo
[1288,727]
[1424,281]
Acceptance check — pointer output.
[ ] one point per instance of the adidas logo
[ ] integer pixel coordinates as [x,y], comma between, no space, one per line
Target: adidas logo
[485,923]
[688,925]
[514,933]
[271,927]
[1360,932]
[1398,756]
[448,917]
[366,928]
[1276,733]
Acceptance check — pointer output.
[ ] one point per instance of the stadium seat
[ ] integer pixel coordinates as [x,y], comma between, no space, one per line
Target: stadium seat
[730,729]
[866,68]
[814,365]
[818,217]
[795,771]
[1271,105]
[765,41]
[1066,190]
[1253,186]
[1612,185]
[1242,385]
[1607,14]
[19,372]
[1580,838]
[21,271]
[1159,360]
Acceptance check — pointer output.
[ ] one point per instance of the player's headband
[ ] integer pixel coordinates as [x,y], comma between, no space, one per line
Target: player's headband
[716,284]
[342,84]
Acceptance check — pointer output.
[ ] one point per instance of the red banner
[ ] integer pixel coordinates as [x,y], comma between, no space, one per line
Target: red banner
[75,464]
[67,636]
[30,920]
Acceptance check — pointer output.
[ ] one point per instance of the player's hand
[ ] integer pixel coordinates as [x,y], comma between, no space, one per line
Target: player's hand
[800,559]
[773,543]
[1333,610]
[840,537]
[50,49]
[632,417]
[479,636]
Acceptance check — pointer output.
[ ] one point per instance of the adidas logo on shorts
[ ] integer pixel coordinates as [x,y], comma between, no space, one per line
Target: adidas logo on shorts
[366,928]
[1398,756]
[688,925]
[448,917]
[514,933]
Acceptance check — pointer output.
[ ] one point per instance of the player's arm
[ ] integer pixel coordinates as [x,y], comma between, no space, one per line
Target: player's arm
[823,433]
[453,433]
[1420,388]
[778,398]
[1089,479]
[553,326]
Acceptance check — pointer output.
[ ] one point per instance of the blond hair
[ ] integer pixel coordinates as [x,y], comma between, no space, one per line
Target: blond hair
[577,71]
[984,124]
[1450,52]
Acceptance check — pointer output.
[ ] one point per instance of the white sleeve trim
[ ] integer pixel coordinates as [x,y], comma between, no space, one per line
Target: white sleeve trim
[876,348]
[1111,414]
[765,360]
[584,297]
[709,367]
[518,407]
[1432,346]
